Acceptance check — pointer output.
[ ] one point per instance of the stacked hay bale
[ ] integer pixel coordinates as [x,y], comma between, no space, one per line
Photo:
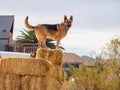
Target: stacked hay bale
[43,73]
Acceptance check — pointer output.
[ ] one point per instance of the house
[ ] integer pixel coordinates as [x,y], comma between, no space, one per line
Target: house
[6,30]
[71,59]
[76,60]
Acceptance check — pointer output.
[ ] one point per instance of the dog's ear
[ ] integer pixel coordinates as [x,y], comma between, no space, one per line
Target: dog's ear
[65,18]
[71,18]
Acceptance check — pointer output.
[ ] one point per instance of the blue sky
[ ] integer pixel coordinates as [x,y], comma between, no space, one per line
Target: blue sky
[95,22]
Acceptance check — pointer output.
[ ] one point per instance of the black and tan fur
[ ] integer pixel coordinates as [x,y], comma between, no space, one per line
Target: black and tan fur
[56,32]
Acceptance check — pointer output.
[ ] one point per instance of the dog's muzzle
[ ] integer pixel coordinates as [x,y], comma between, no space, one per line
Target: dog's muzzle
[68,25]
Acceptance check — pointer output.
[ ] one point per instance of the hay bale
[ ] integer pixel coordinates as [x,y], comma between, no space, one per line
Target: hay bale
[52,71]
[60,75]
[29,66]
[24,66]
[57,72]
[59,55]
[38,83]
[25,81]
[43,73]
[32,83]
[53,55]
[18,82]
[12,82]
[65,86]
[2,82]
[41,53]
[52,84]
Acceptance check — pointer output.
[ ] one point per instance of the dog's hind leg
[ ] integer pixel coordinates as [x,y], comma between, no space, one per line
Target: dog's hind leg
[43,42]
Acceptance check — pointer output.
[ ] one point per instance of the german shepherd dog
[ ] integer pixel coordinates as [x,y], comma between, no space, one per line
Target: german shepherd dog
[56,31]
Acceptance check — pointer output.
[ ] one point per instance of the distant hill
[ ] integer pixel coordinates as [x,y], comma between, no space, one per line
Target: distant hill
[86,57]
[88,61]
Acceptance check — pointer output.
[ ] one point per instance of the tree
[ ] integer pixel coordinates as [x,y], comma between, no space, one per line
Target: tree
[29,37]
[112,49]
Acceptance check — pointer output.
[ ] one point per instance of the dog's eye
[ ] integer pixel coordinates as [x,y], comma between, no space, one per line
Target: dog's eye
[68,22]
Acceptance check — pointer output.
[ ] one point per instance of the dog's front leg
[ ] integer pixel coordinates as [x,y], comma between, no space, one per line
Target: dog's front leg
[44,44]
[58,41]
[39,44]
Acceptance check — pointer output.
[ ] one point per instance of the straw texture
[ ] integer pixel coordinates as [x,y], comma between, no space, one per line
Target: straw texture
[24,66]
[43,73]
[53,55]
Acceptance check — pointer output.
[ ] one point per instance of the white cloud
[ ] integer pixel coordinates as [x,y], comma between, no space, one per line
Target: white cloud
[87,40]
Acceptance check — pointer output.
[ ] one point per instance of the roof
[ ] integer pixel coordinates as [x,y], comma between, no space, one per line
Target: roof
[6,24]
[72,58]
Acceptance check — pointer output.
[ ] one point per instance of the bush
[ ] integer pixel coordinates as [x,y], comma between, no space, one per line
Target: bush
[104,76]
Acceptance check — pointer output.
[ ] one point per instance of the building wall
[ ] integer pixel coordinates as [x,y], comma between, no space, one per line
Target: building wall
[6,24]
[2,44]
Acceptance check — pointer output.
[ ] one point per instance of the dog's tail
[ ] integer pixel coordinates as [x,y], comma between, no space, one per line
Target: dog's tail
[27,25]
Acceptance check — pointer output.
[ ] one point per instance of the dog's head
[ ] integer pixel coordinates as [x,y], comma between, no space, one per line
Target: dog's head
[68,22]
